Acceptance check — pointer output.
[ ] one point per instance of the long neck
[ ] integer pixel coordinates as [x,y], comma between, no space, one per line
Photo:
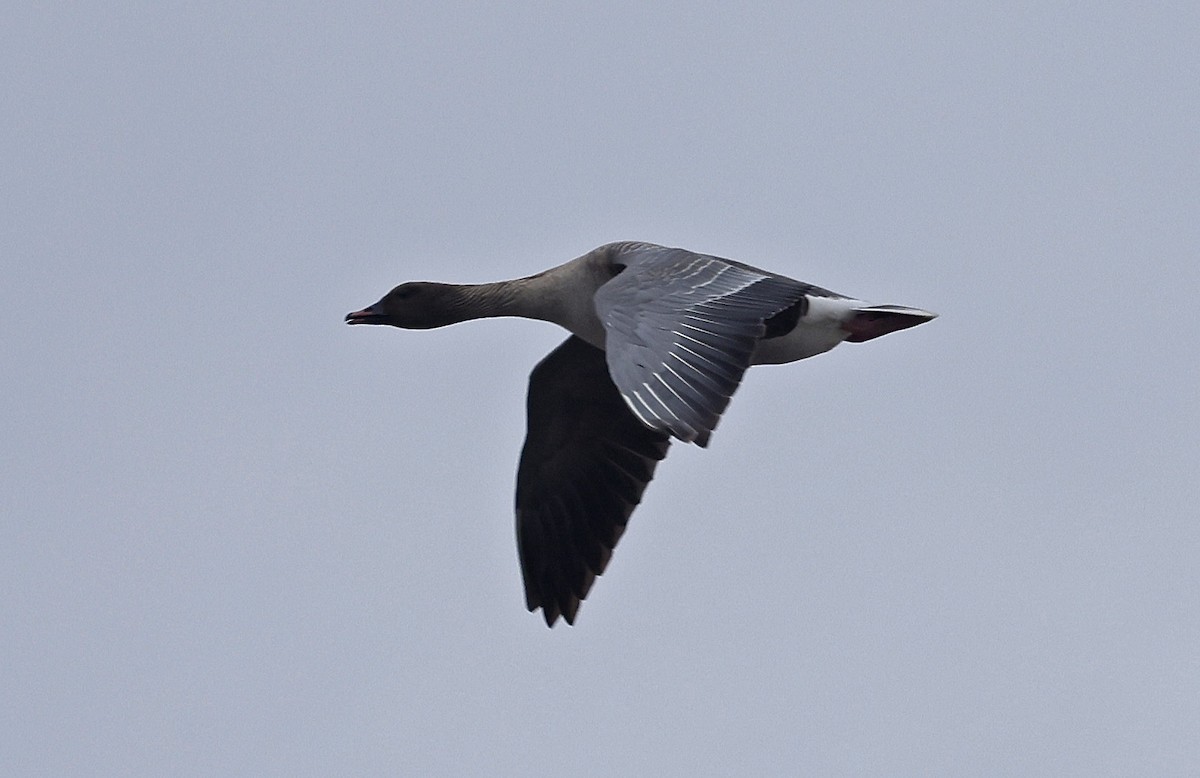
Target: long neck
[528,298]
[561,295]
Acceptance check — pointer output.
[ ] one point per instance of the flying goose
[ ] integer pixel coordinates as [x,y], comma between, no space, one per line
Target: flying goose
[660,338]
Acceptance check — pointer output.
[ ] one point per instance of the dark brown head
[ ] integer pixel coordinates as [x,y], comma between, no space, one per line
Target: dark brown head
[417,305]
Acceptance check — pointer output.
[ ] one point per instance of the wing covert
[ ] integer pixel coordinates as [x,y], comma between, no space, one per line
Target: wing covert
[680,330]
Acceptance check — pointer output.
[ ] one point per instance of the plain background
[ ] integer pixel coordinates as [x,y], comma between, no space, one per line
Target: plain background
[238,537]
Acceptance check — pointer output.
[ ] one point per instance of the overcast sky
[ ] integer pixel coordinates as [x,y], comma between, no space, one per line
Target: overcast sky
[239,537]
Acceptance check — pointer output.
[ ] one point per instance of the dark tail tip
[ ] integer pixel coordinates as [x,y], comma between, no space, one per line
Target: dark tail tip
[877,320]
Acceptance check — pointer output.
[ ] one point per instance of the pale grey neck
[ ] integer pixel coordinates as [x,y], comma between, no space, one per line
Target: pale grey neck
[562,295]
[528,298]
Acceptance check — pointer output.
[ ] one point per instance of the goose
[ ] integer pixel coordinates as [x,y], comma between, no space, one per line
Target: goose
[660,338]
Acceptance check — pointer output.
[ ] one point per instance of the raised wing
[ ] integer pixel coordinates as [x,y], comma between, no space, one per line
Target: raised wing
[680,329]
[584,466]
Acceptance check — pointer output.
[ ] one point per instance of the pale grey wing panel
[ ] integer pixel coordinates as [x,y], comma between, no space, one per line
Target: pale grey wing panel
[680,330]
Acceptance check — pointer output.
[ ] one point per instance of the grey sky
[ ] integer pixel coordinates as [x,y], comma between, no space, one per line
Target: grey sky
[238,537]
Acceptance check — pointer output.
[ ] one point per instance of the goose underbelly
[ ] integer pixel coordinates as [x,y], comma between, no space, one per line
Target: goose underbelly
[802,342]
[817,331]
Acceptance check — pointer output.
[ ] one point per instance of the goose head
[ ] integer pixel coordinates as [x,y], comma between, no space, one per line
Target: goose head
[416,305]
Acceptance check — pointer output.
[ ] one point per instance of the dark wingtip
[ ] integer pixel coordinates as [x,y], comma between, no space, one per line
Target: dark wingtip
[549,614]
[552,613]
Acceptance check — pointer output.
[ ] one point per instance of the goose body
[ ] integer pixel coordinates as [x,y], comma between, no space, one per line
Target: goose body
[660,339]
